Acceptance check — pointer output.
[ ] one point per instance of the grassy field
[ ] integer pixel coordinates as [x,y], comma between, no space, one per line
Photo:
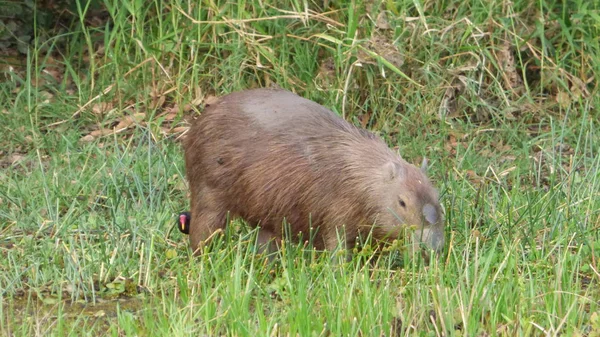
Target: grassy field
[502,97]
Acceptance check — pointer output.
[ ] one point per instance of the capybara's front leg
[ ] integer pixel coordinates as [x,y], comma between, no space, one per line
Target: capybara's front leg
[266,241]
[206,219]
[203,226]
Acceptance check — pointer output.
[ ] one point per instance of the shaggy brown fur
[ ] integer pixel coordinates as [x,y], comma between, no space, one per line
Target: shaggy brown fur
[268,155]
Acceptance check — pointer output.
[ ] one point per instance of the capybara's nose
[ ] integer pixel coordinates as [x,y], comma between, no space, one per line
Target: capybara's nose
[432,237]
[436,240]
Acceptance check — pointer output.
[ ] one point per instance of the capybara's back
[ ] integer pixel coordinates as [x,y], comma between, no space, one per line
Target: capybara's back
[268,155]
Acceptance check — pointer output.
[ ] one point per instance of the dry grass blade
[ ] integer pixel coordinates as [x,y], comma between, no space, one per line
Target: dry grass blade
[303,16]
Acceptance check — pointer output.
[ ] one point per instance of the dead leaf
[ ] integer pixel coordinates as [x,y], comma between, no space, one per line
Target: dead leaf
[197,101]
[164,131]
[101,132]
[157,102]
[179,129]
[473,177]
[503,148]
[449,105]
[56,74]
[169,113]
[326,73]
[169,109]
[169,117]
[101,108]
[99,313]
[382,21]
[11,160]
[210,99]
[124,123]
[186,108]
[508,157]
[563,99]
[127,121]
[451,144]
[16,157]
[507,61]
[485,153]
[364,119]
[46,97]
[477,234]
[87,139]
[383,46]
[139,117]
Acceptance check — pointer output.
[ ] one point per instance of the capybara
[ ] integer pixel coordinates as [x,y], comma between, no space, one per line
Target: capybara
[272,157]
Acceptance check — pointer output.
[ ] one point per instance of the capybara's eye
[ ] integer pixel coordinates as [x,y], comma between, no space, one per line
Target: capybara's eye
[401,202]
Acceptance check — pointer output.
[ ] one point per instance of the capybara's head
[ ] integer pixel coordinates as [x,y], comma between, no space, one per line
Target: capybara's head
[410,200]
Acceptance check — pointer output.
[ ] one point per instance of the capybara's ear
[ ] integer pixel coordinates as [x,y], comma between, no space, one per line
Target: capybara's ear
[392,170]
[431,214]
[424,165]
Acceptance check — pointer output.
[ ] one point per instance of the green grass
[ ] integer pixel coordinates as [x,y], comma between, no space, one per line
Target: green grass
[501,97]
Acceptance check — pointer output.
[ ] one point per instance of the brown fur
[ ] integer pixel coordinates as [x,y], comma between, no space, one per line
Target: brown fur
[266,155]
